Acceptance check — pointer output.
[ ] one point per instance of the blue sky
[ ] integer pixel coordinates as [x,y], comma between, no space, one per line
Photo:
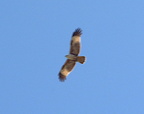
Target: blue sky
[35,37]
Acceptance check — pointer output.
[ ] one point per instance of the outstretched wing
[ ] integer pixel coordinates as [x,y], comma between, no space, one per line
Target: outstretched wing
[75,42]
[66,69]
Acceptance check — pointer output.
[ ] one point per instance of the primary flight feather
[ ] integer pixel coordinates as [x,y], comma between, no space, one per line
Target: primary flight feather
[73,57]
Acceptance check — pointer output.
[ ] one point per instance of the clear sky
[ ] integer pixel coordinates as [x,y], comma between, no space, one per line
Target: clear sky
[34,38]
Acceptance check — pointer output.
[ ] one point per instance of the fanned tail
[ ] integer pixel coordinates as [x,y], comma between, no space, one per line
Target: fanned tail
[81,59]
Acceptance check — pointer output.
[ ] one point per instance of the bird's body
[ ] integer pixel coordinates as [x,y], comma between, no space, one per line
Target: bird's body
[73,57]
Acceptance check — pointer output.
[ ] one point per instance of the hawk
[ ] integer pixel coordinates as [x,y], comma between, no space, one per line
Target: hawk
[73,57]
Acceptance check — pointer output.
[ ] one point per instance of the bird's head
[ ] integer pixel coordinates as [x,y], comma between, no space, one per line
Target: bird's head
[66,56]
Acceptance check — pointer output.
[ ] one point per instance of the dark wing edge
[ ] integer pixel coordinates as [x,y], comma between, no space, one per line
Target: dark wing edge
[77,32]
[62,77]
[74,44]
[66,69]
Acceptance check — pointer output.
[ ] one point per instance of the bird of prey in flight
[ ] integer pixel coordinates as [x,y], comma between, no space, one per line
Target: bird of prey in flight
[73,57]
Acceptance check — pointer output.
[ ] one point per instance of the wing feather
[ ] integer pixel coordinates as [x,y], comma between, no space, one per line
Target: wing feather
[66,69]
[75,42]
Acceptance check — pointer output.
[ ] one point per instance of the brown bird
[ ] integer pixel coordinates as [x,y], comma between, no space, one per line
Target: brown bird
[73,57]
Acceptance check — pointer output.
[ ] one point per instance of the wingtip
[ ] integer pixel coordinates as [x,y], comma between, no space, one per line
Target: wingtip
[77,32]
[62,78]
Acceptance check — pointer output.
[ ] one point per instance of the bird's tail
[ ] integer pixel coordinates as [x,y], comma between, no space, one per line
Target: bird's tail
[81,59]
